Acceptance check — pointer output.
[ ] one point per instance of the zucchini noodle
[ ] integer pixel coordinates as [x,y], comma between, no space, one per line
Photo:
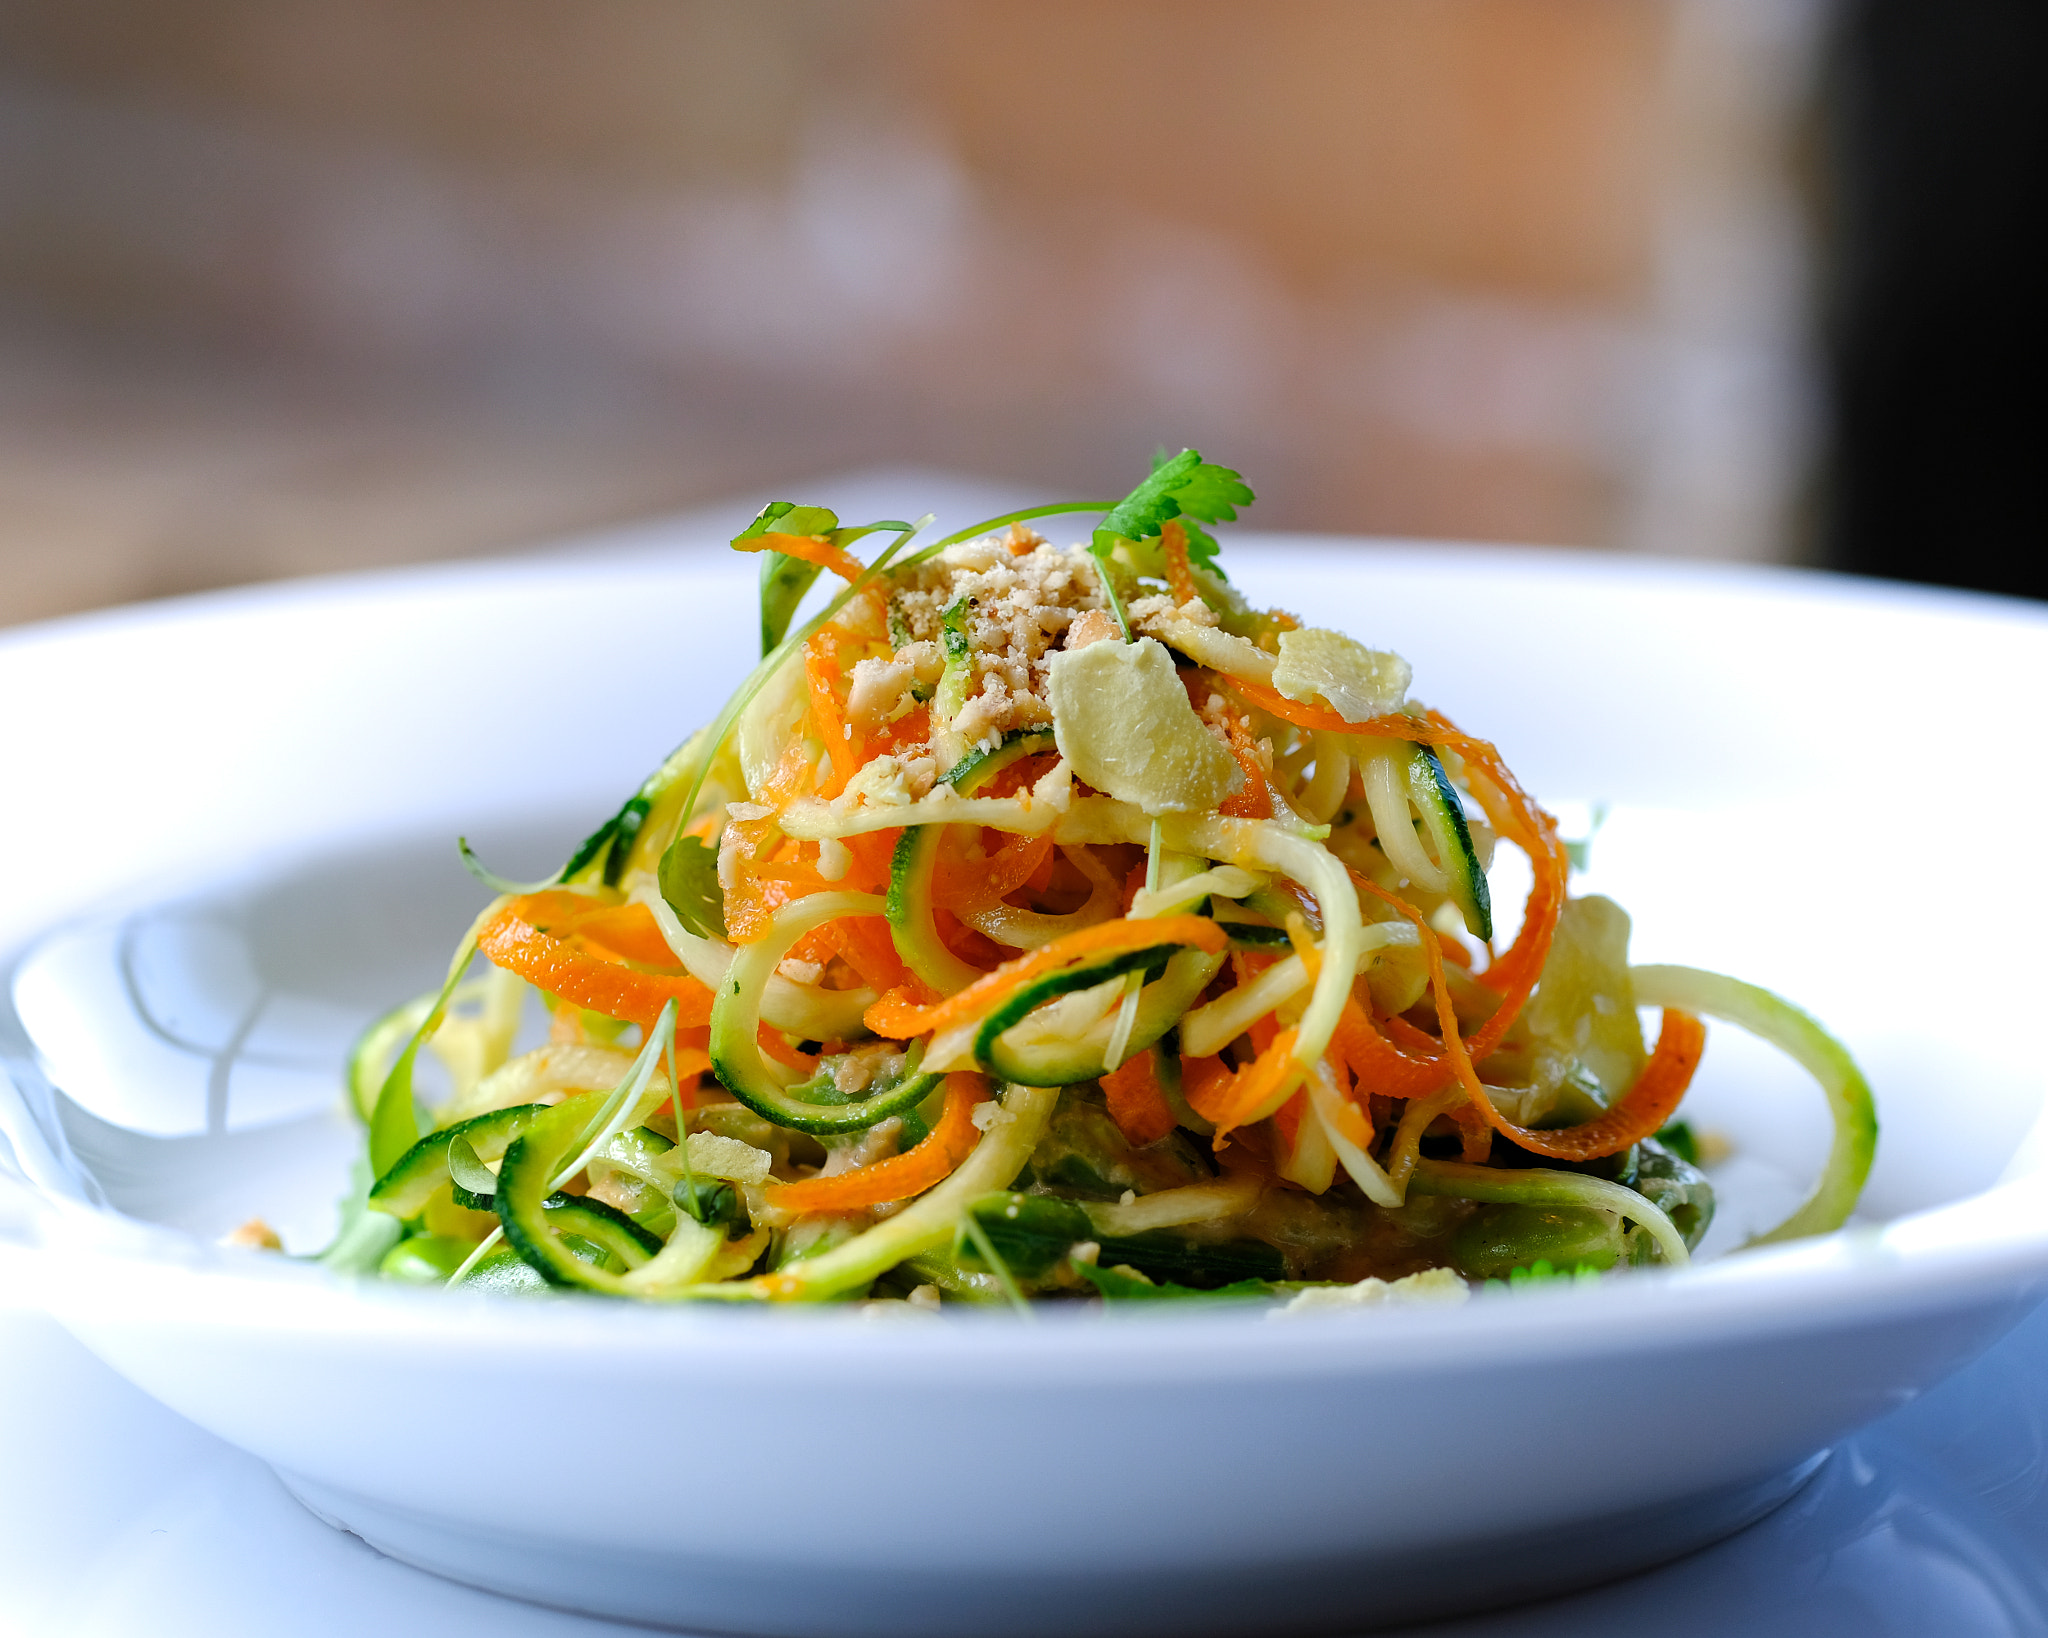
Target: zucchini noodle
[1049,924]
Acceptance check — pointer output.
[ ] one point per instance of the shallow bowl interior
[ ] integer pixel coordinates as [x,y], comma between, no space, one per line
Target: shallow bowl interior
[241,812]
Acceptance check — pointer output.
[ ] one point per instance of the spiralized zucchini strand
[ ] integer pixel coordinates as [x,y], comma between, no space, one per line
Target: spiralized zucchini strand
[802,1010]
[1383,765]
[1323,874]
[1207,1030]
[1170,1208]
[1223,882]
[1029,929]
[1323,1098]
[930,1220]
[1543,1187]
[746,980]
[625,1106]
[1772,1018]
[1320,798]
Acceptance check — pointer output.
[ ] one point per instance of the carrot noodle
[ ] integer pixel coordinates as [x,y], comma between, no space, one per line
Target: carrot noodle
[1255,801]
[1380,1067]
[900,1176]
[535,936]
[1136,1103]
[974,884]
[1173,544]
[822,671]
[1251,1094]
[900,1017]
[783,1053]
[812,549]
[1643,1110]
[749,903]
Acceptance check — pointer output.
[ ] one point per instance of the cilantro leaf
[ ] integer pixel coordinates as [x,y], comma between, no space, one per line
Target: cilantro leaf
[1123,1283]
[1182,486]
[788,518]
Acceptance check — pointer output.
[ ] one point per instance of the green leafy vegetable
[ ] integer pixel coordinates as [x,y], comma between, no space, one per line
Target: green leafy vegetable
[689,882]
[613,840]
[1181,486]
[1682,1141]
[1032,1234]
[1543,1272]
[1123,1283]
[785,579]
[365,1236]
[713,1203]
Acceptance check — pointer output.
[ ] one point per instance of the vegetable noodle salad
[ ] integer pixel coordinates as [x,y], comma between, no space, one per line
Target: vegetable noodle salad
[1043,923]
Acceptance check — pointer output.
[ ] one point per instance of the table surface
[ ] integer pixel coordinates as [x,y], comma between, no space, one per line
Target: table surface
[120,1518]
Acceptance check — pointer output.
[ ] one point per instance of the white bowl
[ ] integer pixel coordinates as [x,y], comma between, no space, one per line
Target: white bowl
[231,823]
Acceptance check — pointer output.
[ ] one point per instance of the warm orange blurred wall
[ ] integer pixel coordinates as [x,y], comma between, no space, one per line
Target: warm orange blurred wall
[1417,265]
[1491,142]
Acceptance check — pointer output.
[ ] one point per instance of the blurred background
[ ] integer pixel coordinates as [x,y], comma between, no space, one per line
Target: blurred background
[294,288]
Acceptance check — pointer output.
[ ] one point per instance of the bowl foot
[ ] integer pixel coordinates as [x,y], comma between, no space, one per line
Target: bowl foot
[1357,1591]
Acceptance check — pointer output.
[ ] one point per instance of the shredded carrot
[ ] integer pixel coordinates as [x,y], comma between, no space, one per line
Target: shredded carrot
[970,884]
[1136,1103]
[900,1176]
[1255,801]
[1041,878]
[1252,1094]
[628,931]
[866,945]
[1382,1068]
[812,549]
[1173,541]
[1203,1081]
[872,854]
[900,1016]
[533,937]
[1678,1052]
[1646,1106]
[823,671]
[775,1046]
[1353,1123]
[750,902]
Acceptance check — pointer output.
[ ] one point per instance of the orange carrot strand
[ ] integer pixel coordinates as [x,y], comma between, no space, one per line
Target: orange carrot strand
[1136,1103]
[899,1016]
[812,549]
[1173,542]
[900,1176]
[530,937]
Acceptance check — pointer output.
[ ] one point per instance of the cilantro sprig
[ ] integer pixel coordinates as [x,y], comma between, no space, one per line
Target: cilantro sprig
[1183,486]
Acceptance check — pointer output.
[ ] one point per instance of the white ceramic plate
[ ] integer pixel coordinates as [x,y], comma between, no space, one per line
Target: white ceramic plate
[230,822]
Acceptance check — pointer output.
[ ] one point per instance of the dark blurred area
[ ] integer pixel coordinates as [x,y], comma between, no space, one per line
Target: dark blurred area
[287,289]
[1937,126]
